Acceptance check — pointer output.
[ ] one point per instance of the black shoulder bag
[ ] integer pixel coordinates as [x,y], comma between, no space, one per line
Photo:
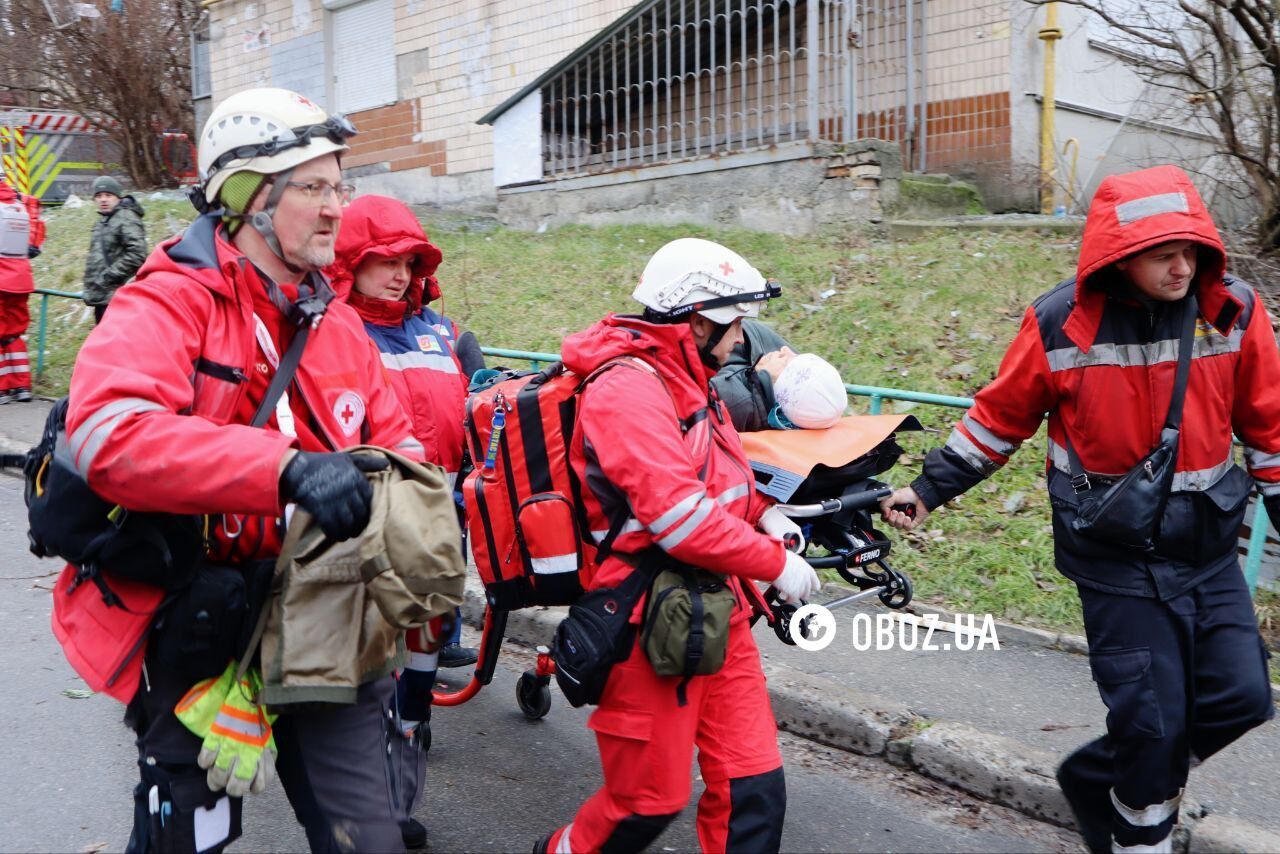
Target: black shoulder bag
[1127,513]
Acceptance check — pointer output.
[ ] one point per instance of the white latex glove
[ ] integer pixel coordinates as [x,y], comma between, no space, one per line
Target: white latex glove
[777,524]
[797,580]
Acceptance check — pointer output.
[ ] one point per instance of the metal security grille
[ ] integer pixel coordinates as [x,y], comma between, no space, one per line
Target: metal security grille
[679,79]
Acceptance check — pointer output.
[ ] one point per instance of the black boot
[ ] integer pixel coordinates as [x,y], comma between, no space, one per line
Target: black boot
[456,655]
[414,834]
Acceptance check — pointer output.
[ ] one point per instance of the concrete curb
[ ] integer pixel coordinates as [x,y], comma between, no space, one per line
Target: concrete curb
[994,768]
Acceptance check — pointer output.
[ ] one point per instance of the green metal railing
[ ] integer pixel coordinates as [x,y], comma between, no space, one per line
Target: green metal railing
[877,396]
[43,328]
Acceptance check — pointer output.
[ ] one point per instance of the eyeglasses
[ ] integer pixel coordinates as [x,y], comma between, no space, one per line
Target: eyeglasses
[319,192]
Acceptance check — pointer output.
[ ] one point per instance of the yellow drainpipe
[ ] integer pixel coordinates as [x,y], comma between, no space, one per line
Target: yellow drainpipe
[1049,34]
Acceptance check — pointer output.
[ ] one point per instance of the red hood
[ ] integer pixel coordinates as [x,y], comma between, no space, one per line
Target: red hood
[383,227]
[1131,213]
[667,347]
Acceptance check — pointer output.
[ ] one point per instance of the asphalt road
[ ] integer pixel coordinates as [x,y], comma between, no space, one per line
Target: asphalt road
[496,782]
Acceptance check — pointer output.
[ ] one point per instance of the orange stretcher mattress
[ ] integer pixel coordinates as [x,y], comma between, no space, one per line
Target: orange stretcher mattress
[786,457]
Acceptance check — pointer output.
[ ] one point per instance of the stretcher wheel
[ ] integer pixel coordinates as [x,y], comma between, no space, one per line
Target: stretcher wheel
[897,594]
[533,694]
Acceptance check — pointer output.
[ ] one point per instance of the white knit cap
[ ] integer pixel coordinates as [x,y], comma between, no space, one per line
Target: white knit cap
[810,392]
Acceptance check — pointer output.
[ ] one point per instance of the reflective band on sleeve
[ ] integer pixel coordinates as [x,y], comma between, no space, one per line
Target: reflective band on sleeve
[677,512]
[680,534]
[1256,459]
[630,526]
[1164,846]
[1003,447]
[1268,489]
[89,437]
[555,565]
[1147,816]
[1138,209]
[733,494]
[431,361]
[970,453]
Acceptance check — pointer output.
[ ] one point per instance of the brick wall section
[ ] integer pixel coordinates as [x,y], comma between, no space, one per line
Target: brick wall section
[388,135]
[965,131]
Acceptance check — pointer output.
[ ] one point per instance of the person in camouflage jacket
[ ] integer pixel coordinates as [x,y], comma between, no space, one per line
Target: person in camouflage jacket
[117,247]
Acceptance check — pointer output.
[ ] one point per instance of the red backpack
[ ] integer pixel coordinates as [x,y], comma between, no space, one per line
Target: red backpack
[528,529]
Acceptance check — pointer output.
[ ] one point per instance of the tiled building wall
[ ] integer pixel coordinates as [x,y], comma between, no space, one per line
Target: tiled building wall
[456,60]
[968,80]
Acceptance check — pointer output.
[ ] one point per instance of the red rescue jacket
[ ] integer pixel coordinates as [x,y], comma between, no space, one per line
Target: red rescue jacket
[152,419]
[1101,363]
[15,273]
[664,453]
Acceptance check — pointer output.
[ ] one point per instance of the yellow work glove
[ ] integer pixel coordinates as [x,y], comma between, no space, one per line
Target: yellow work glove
[238,750]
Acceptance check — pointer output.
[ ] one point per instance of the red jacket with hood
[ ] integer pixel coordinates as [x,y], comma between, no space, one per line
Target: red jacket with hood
[152,423]
[659,445]
[15,273]
[416,343]
[1101,363]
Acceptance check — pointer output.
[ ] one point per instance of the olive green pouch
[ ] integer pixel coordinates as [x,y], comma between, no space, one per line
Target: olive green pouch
[686,622]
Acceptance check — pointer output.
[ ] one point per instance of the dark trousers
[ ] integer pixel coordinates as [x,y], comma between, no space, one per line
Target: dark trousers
[337,763]
[1181,679]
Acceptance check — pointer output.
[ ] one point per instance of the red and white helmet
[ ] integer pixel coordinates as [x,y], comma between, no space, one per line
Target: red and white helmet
[691,275]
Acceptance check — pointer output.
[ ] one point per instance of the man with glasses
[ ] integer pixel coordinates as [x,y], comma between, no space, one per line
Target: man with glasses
[162,399]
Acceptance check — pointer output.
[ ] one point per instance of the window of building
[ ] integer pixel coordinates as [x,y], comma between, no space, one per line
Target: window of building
[364,60]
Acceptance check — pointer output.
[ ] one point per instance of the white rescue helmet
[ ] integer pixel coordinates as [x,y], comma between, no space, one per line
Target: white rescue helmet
[692,275]
[265,130]
[810,392]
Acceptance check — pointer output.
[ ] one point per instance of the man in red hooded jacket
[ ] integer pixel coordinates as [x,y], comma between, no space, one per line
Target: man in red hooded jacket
[17,246]
[655,445]
[1173,642]
[161,401]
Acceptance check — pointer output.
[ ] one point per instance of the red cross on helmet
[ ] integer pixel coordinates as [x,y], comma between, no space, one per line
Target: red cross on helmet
[692,275]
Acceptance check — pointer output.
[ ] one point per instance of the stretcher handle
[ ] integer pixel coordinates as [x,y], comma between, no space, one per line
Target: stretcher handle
[860,500]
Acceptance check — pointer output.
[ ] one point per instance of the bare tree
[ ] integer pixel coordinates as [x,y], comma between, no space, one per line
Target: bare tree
[1219,61]
[126,71]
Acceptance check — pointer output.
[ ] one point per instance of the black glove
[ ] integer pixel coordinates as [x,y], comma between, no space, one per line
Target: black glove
[1272,503]
[32,250]
[333,489]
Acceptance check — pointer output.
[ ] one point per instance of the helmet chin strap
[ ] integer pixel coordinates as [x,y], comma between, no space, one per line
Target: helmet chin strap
[262,220]
[718,331]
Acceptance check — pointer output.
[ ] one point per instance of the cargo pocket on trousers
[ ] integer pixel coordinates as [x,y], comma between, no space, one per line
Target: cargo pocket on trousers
[624,736]
[1125,683]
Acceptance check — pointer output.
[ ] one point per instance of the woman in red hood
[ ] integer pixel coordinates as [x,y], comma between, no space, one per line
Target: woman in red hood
[21,234]
[1173,641]
[384,266]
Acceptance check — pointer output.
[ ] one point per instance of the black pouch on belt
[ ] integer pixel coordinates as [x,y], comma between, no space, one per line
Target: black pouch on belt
[598,634]
[208,624]
[1128,512]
